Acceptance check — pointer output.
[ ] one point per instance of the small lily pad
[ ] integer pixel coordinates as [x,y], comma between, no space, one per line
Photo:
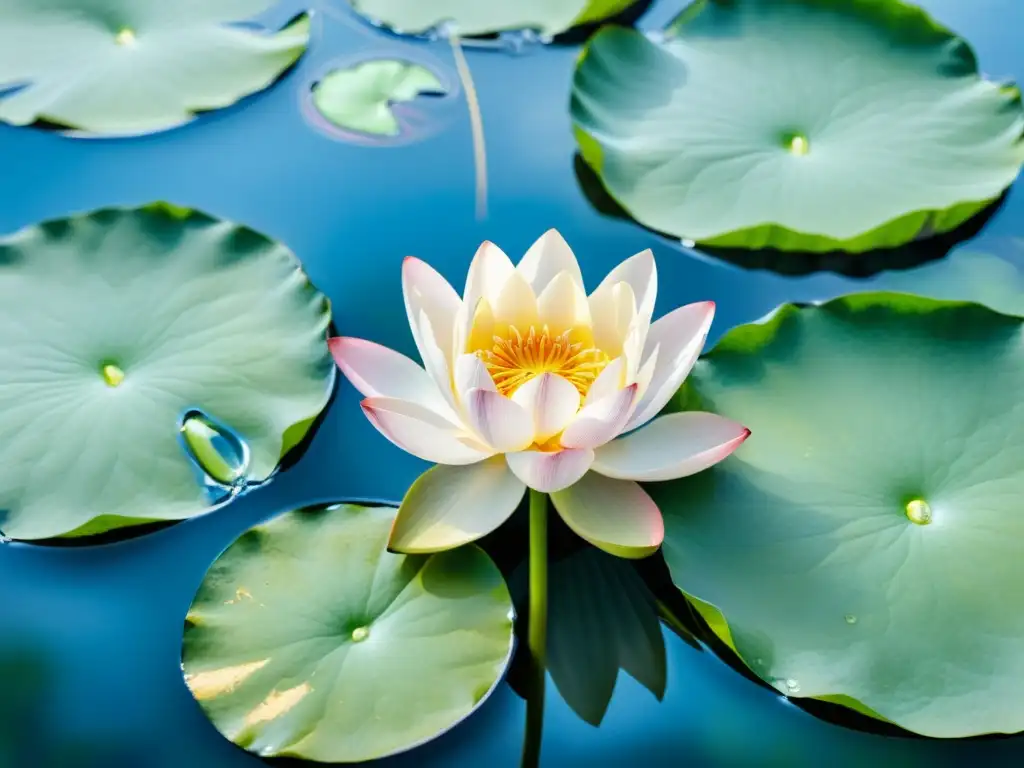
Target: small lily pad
[471,18]
[309,639]
[601,618]
[863,545]
[359,98]
[154,361]
[801,126]
[125,67]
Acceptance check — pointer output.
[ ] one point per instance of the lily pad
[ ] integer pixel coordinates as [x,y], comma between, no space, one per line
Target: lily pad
[601,618]
[471,18]
[360,98]
[804,126]
[124,328]
[124,67]
[863,545]
[309,639]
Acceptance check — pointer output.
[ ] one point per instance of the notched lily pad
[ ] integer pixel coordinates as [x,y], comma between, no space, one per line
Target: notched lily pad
[470,18]
[308,639]
[863,546]
[800,126]
[360,98]
[124,67]
[154,362]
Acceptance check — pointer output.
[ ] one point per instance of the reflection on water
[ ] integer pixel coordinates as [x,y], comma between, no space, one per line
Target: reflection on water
[105,622]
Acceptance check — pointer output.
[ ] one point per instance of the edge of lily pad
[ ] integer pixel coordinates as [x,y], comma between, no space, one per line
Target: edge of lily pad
[747,339]
[904,228]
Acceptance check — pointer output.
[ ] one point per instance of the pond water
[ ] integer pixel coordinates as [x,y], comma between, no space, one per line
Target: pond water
[96,631]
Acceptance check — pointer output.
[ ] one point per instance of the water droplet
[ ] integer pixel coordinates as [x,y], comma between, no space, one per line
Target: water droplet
[792,686]
[919,512]
[688,243]
[218,452]
[125,36]
[850,618]
[112,374]
[359,634]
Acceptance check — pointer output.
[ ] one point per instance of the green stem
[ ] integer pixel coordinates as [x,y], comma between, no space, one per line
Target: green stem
[538,628]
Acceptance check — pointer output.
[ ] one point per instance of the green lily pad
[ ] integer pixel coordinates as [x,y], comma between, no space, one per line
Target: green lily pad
[601,618]
[125,67]
[471,18]
[141,346]
[359,98]
[801,125]
[863,545]
[309,639]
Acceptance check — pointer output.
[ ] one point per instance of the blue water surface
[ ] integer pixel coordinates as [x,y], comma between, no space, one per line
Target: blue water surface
[104,623]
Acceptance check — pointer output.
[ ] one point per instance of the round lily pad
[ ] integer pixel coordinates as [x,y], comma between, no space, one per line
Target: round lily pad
[154,362]
[309,639]
[124,67]
[359,98]
[473,18]
[863,546]
[800,125]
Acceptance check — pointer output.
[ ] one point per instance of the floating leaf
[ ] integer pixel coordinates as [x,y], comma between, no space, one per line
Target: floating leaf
[601,618]
[863,546]
[308,639]
[125,67]
[360,98]
[805,126]
[473,17]
[133,338]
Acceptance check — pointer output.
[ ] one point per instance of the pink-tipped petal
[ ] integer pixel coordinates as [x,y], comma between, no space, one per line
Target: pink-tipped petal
[552,403]
[549,472]
[547,257]
[471,373]
[427,292]
[670,447]
[614,515]
[601,421]
[500,423]
[377,371]
[608,382]
[679,337]
[450,506]
[422,432]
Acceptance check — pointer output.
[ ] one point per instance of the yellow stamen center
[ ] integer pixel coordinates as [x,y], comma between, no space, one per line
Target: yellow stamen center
[516,359]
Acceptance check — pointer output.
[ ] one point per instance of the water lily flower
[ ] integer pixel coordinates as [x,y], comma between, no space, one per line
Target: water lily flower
[529,382]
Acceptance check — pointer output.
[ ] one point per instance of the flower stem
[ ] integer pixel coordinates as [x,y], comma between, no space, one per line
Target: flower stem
[475,122]
[538,628]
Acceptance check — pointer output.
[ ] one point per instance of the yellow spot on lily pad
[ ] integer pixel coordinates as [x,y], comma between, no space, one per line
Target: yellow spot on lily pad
[919,512]
[112,375]
[125,36]
[207,685]
[277,704]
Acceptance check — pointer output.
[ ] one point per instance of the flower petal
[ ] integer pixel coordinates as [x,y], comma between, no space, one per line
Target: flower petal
[504,425]
[614,515]
[435,363]
[608,382]
[551,401]
[679,337]
[600,421]
[377,371]
[613,313]
[422,433]
[516,305]
[450,506]
[427,292]
[471,373]
[672,446]
[547,257]
[563,306]
[550,471]
[487,274]
[641,274]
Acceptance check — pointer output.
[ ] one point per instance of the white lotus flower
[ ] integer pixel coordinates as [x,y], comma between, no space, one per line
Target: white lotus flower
[528,382]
